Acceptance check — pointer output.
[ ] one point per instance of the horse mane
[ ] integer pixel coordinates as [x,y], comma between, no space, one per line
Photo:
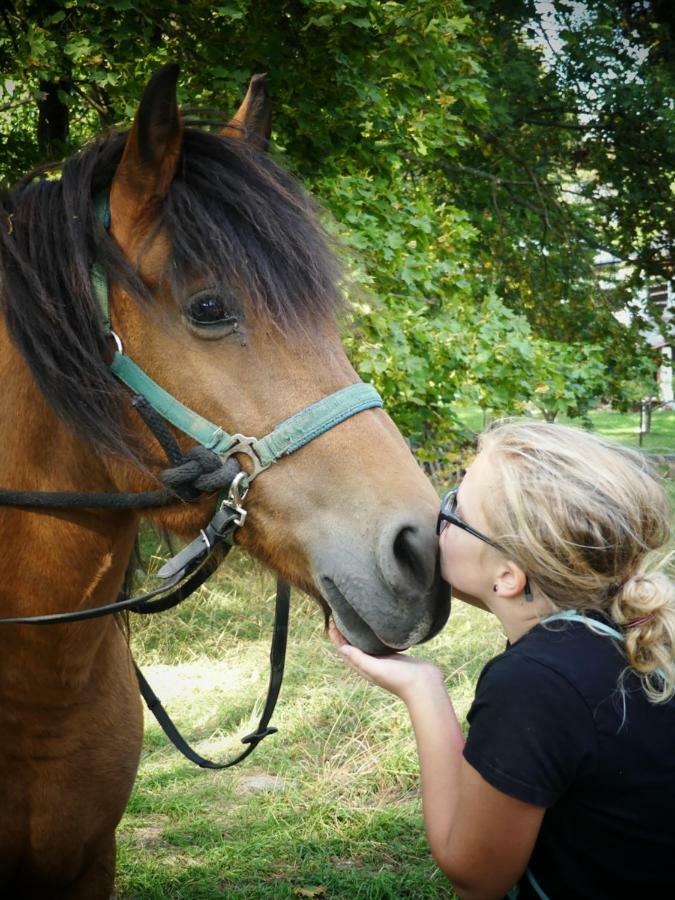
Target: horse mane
[231,214]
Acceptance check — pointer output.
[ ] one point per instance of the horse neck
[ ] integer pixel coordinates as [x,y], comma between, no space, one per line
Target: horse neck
[53,561]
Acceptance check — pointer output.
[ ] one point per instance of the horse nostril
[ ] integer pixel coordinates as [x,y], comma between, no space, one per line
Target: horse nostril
[409,553]
[407,557]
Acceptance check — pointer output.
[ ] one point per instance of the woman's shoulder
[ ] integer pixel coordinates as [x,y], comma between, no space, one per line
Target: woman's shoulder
[572,656]
[567,648]
[537,667]
[530,730]
[572,647]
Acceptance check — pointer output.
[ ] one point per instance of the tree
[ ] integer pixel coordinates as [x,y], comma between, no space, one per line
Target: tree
[469,175]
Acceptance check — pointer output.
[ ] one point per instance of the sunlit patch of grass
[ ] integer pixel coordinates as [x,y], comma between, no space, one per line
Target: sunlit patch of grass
[622,427]
[625,428]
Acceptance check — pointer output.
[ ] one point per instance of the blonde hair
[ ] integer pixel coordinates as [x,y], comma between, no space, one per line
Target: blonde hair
[584,519]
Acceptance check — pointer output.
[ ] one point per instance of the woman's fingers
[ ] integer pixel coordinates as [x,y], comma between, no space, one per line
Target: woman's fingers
[355,658]
[338,639]
[398,673]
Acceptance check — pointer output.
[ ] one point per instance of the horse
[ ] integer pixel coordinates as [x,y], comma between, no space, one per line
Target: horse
[225,288]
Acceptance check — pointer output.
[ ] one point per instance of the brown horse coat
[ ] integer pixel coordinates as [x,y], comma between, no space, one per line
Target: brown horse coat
[201,224]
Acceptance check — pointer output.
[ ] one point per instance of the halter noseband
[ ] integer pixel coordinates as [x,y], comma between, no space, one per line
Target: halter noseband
[287,437]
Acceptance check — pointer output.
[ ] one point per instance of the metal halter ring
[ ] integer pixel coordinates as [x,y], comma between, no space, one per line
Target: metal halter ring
[118,342]
[242,443]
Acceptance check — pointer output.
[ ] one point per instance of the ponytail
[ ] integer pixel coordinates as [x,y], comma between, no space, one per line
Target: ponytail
[644,606]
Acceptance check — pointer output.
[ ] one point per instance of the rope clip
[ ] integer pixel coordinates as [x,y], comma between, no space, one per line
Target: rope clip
[235,497]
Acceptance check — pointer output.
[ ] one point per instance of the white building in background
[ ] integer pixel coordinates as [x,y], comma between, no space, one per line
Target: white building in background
[663,295]
[661,336]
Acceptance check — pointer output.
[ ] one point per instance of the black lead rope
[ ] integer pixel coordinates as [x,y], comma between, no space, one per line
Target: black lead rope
[277,657]
[179,588]
[189,475]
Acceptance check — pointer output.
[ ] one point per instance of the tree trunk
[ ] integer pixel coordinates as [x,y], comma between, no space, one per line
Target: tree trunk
[53,120]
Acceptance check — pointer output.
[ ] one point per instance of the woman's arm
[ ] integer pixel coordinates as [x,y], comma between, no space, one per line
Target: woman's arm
[491,839]
[481,838]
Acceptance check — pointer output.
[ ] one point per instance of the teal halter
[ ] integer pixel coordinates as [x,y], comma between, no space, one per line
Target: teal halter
[287,437]
[293,433]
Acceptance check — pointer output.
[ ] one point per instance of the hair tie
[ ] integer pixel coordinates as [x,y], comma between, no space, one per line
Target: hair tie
[636,622]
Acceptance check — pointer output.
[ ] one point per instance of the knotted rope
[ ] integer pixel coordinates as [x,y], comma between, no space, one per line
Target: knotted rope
[200,471]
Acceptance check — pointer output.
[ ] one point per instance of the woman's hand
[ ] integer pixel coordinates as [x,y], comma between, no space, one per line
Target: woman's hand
[399,674]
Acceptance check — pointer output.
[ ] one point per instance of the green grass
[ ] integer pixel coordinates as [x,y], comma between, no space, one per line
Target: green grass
[341,816]
[625,428]
[339,813]
[621,427]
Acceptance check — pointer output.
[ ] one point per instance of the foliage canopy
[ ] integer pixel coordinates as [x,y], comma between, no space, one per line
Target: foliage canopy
[476,155]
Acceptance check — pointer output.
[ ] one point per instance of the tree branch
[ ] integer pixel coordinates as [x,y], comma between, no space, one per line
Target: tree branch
[38,95]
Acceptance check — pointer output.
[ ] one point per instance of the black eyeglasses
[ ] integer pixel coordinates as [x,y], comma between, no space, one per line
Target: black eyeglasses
[448,516]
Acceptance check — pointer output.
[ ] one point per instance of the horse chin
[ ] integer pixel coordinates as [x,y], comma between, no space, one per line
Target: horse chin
[354,627]
[364,638]
[369,643]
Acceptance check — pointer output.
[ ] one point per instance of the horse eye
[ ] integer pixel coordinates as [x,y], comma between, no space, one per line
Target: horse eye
[210,311]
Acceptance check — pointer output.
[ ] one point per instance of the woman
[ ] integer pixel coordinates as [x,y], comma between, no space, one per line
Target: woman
[565,786]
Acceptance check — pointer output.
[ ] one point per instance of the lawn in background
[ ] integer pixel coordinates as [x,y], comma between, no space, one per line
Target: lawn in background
[625,428]
[622,427]
[329,807]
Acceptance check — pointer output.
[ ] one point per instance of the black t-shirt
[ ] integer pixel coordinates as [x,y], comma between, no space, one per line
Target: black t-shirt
[549,726]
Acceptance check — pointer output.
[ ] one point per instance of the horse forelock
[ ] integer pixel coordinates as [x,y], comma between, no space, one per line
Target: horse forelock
[236,215]
[231,215]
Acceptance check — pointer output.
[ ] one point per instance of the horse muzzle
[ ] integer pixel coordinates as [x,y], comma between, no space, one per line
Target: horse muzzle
[389,600]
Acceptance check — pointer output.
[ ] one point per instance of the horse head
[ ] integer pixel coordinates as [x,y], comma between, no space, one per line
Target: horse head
[226,292]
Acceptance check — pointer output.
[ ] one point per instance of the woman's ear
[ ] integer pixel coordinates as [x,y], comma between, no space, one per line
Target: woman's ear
[509,581]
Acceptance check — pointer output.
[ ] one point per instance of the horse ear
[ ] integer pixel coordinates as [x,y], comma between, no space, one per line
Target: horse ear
[152,150]
[253,120]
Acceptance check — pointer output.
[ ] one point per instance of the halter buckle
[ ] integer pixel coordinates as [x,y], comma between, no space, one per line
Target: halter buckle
[245,444]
